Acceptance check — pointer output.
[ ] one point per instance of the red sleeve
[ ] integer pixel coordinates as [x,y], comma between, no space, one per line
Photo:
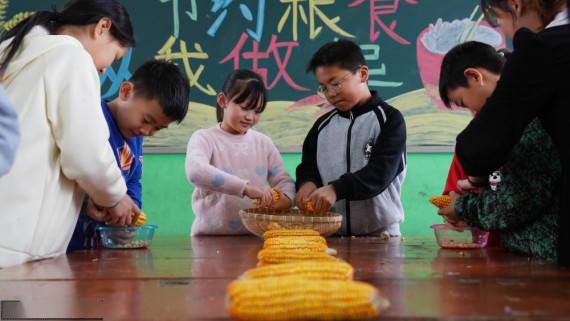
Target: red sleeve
[455,173]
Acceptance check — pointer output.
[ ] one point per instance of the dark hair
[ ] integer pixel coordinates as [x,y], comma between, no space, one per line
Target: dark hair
[164,82]
[344,54]
[546,9]
[471,54]
[75,13]
[244,85]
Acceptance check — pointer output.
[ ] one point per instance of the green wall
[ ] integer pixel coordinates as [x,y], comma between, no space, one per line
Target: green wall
[167,193]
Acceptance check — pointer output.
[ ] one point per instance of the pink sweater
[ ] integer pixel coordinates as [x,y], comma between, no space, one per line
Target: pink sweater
[219,164]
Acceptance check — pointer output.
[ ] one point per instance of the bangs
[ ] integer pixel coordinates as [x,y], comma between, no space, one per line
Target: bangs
[253,94]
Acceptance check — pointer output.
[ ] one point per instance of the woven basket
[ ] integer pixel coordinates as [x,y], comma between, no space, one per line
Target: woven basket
[260,220]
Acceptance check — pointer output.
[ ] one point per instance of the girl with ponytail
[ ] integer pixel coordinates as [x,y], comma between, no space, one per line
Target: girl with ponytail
[48,67]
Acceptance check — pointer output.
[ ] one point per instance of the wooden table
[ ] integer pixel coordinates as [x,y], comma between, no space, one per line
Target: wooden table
[185,279]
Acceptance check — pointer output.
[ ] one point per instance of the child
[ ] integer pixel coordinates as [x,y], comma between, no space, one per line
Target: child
[155,96]
[53,84]
[534,84]
[486,65]
[9,134]
[354,157]
[521,201]
[231,161]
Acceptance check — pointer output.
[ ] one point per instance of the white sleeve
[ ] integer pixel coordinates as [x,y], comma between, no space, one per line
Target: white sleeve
[79,127]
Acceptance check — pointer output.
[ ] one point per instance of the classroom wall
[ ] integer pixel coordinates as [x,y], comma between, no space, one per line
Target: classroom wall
[167,194]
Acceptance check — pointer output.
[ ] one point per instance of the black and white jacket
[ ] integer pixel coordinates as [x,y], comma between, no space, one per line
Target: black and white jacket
[362,153]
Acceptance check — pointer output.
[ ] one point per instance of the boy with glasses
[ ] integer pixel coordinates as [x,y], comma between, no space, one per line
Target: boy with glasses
[354,157]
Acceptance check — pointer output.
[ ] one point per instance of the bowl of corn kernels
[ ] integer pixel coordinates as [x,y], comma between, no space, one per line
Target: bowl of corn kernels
[260,220]
[465,238]
[127,237]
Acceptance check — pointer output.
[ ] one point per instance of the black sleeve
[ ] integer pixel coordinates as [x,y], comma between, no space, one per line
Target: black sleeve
[386,162]
[308,171]
[524,88]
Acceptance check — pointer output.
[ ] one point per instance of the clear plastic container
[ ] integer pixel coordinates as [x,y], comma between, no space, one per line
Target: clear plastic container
[467,238]
[127,237]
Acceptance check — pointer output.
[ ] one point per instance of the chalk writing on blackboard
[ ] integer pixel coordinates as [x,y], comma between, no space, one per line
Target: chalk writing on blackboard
[295,9]
[378,9]
[221,6]
[116,77]
[193,14]
[166,53]
[372,55]
[272,53]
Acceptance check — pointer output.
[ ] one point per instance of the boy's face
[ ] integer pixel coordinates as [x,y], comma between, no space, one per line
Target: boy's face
[137,115]
[342,88]
[480,86]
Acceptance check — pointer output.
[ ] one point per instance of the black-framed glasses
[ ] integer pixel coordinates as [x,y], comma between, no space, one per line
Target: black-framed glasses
[333,88]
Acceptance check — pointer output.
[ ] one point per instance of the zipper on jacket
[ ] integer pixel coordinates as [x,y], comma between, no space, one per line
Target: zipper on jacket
[347,203]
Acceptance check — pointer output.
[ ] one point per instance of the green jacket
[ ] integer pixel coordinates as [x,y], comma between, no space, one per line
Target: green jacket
[523,208]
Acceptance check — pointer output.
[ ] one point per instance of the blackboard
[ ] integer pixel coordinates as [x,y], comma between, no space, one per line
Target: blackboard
[207,39]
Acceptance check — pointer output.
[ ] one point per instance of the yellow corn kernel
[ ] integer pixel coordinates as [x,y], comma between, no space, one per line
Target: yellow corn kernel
[308,246]
[297,298]
[309,206]
[279,233]
[278,256]
[276,197]
[276,194]
[294,240]
[138,220]
[338,270]
[441,201]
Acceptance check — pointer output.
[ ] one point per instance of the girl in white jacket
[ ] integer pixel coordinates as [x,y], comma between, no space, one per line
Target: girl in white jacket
[48,67]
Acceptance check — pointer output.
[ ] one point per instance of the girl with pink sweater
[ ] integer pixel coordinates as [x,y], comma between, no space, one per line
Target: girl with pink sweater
[231,164]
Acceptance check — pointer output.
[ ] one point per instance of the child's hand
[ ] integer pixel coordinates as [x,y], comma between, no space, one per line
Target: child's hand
[303,195]
[283,202]
[470,184]
[99,214]
[449,214]
[121,214]
[323,198]
[264,196]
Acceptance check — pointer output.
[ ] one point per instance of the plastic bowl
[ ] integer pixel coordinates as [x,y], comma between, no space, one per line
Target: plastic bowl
[128,237]
[468,238]
[260,220]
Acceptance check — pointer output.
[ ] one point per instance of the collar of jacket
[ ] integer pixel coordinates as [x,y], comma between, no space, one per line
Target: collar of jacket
[356,111]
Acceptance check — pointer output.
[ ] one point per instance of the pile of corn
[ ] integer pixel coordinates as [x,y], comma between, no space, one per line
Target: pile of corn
[298,280]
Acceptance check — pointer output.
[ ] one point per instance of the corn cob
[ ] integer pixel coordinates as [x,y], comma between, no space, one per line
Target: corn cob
[307,246]
[296,298]
[311,270]
[294,240]
[276,196]
[441,201]
[278,256]
[279,233]
[138,220]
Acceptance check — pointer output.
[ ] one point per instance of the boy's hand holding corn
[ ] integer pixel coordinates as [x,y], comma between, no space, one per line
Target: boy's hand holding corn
[323,198]
[449,214]
[302,197]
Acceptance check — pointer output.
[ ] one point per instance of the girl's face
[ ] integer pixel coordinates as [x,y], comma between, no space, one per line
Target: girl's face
[238,118]
[524,17]
[102,46]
